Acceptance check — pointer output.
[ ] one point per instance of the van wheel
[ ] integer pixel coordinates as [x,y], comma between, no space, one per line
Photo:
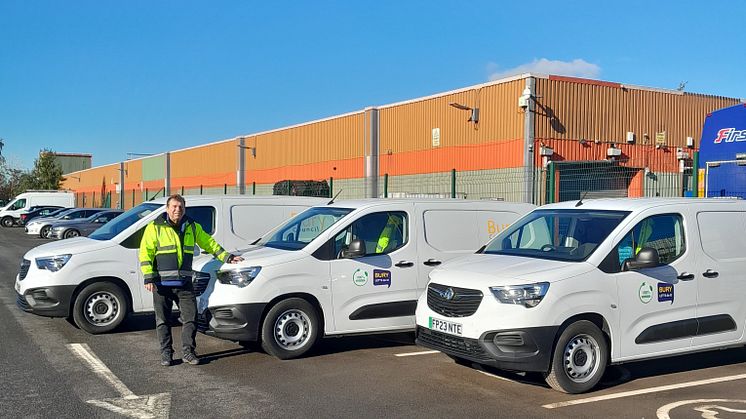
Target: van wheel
[44,232]
[100,308]
[579,360]
[290,328]
[7,222]
[71,233]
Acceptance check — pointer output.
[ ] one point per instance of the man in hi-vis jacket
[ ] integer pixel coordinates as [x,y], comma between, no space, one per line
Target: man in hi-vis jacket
[166,253]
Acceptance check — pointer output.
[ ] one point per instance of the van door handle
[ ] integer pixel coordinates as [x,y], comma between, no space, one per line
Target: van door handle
[710,274]
[404,264]
[685,277]
[432,262]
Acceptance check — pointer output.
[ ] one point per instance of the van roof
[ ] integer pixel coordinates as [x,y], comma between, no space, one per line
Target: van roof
[637,204]
[358,203]
[190,199]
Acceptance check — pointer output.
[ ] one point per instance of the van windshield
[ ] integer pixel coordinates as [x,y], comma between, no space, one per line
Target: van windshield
[568,235]
[109,230]
[302,229]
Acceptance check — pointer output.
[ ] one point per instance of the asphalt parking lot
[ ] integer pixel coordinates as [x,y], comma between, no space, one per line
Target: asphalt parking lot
[50,368]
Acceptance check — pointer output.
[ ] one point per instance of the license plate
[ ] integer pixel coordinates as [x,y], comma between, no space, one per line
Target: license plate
[445,326]
[18,287]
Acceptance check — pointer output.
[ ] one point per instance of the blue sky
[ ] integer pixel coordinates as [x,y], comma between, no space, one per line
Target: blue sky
[112,77]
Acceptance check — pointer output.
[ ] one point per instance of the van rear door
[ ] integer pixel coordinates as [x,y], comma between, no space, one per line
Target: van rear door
[720,283]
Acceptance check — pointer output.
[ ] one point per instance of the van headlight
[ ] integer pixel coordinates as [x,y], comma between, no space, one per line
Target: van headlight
[530,295]
[52,263]
[240,277]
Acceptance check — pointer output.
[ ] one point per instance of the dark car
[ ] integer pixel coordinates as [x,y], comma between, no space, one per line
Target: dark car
[48,211]
[66,229]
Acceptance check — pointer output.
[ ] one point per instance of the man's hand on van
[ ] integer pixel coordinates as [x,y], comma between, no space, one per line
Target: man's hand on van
[235,259]
[150,287]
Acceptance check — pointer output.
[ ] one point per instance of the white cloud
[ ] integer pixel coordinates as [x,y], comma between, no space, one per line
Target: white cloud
[575,68]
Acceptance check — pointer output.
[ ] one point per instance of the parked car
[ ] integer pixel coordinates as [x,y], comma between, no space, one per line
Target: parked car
[49,211]
[66,229]
[96,280]
[23,202]
[341,268]
[575,286]
[43,226]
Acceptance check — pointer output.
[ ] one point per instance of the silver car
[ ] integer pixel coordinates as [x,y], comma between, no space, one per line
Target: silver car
[65,229]
[41,226]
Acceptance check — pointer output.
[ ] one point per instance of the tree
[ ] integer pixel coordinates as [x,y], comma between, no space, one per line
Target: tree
[47,172]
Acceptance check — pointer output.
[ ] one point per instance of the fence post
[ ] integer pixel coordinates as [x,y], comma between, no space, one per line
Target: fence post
[552,179]
[200,189]
[225,189]
[182,190]
[253,188]
[133,198]
[146,194]
[386,185]
[331,187]
[453,183]
[695,174]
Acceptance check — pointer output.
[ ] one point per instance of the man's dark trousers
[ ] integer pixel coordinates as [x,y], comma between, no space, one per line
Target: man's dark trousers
[163,299]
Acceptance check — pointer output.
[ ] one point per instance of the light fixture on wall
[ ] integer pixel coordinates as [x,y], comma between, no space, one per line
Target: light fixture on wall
[613,152]
[474,117]
[74,177]
[252,149]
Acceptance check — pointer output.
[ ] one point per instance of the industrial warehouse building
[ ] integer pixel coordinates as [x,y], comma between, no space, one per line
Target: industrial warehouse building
[531,138]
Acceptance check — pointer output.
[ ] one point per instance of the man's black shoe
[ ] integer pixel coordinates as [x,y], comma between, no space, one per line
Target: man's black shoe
[166,359]
[190,358]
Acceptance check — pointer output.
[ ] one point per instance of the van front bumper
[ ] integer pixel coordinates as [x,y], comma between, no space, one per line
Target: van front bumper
[238,322]
[51,301]
[528,349]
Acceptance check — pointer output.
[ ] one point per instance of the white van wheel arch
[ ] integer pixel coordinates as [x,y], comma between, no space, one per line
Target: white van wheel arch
[100,307]
[579,358]
[290,328]
[7,221]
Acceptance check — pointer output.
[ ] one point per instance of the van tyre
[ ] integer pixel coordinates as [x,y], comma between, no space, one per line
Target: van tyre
[579,359]
[71,233]
[7,222]
[100,308]
[290,328]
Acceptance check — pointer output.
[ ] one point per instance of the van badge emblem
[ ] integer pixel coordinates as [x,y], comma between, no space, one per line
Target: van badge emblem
[447,294]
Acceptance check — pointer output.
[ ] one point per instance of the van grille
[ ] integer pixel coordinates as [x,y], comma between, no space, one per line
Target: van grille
[25,265]
[453,301]
[452,345]
[200,282]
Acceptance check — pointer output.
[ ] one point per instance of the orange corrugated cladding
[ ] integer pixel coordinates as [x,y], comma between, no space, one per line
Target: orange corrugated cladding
[319,150]
[406,144]
[208,165]
[601,113]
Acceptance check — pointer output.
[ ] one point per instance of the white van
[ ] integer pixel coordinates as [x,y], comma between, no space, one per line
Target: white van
[10,214]
[343,268]
[97,279]
[574,286]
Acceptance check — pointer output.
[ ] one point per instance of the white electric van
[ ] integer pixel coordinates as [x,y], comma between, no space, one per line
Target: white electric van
[344,268]
[96,280]
[10,214]
[574,286]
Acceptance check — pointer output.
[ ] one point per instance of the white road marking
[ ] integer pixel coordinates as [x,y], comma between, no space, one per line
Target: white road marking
[83,352]
[708,410]
[645,391]
[417,353]
[142,407]
[496,376]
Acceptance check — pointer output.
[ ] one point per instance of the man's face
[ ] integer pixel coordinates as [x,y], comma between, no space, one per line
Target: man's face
[175,210]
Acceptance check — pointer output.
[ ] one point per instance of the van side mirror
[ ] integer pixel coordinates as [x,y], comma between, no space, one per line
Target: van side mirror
[647,258]
[356,249]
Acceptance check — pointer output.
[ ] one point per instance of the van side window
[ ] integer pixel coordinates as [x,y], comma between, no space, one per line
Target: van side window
[20,203]
[205,216]
[382,232]
[664,233]
[133,241]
